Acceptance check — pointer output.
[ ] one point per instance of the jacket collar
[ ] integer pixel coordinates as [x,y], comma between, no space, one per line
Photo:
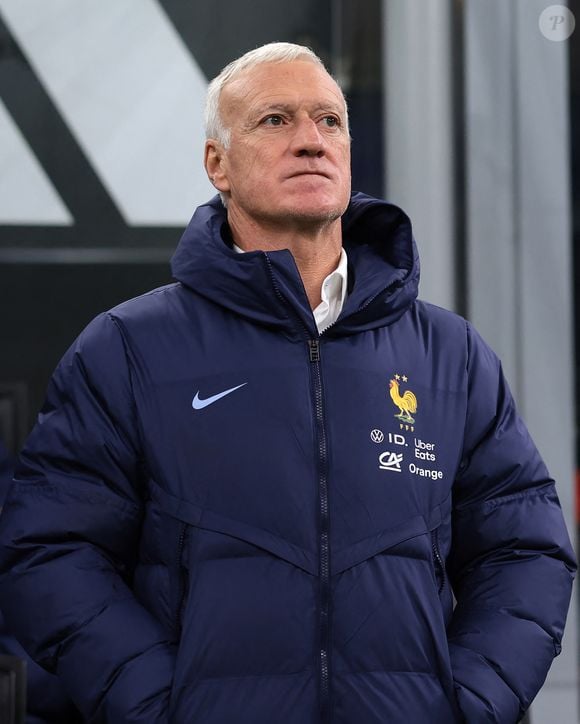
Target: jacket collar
[266,286]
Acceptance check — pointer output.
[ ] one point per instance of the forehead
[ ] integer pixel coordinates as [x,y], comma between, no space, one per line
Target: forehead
[296,83]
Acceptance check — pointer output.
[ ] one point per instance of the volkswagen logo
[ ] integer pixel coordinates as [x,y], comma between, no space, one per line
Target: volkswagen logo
[377,436]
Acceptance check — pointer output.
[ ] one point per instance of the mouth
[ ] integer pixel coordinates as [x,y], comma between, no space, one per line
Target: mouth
[309,173]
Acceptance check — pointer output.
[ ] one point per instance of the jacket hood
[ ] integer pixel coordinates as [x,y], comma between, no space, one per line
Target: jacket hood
[383,270]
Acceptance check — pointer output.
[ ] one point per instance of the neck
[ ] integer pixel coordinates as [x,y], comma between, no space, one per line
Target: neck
[316,247]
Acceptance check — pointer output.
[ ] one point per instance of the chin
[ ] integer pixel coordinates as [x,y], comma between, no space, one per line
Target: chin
[310,208]
[313,214]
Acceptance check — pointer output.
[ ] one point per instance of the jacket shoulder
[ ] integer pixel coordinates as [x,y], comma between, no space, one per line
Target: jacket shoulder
[145,314]
[441,318]
[147,305]
[455,329]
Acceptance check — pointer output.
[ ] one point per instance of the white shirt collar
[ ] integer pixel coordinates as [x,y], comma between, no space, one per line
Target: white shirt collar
[332,293]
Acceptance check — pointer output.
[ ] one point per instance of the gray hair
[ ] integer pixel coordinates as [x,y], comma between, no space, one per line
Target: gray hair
[270,53]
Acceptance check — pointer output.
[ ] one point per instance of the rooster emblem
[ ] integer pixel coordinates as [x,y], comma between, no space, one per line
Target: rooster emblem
[407,403]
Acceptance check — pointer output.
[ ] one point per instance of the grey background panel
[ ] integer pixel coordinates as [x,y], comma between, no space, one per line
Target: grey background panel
[419,134]
[507,131]
[520,249]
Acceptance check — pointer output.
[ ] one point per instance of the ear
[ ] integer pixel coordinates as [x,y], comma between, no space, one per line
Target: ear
[215,163]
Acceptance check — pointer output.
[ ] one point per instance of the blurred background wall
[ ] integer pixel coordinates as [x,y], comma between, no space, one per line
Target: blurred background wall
[465,113]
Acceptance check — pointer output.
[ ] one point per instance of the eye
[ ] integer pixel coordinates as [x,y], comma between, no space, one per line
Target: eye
[331,121]
[273,120]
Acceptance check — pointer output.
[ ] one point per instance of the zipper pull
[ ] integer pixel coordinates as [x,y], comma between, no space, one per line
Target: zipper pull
[314,345]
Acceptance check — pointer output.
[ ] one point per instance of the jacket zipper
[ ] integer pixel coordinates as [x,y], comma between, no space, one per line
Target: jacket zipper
[324,541]
[183,580]
[438,561]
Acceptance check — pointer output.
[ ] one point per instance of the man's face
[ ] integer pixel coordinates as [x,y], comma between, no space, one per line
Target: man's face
[288,162]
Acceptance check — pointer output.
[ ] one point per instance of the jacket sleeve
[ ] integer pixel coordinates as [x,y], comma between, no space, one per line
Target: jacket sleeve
[69,535]
[511,563]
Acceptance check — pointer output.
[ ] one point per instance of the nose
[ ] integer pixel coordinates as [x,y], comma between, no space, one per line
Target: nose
[307,139]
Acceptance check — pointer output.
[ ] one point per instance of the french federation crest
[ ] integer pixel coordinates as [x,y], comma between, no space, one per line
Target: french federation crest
[406,402]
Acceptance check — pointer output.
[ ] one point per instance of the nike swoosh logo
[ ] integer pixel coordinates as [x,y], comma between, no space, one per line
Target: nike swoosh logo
[199,404]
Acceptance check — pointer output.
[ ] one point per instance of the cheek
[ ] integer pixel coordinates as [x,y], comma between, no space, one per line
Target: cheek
[347,157]
[253,167]
[345,166]
[343,159]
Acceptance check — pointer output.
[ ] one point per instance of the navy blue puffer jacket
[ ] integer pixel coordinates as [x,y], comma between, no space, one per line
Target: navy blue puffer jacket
[222,517]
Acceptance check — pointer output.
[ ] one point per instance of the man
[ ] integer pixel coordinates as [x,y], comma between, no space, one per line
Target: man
[250,494]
